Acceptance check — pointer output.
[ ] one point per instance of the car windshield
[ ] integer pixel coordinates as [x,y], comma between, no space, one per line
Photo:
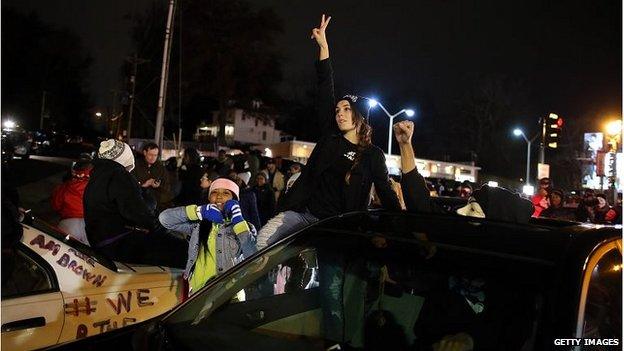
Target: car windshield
[356,289]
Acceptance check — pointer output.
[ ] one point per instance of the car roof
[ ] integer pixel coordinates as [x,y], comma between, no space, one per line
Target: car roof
[541,239]
[69,241]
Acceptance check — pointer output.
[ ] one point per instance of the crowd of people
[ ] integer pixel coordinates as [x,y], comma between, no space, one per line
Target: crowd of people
[207,214]
[588,207]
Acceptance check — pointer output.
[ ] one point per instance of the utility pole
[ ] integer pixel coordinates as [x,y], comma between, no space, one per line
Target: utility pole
[542,141]
[134,61]
[112,115]
[160,115]
[43,100]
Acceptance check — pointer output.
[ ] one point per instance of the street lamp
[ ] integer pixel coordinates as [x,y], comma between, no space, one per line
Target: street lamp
[371,103]
[9,124]
[519,132]
[614,127]
[409,112]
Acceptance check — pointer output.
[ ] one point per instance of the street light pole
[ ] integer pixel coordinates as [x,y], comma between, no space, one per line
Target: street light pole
[528,165]
[391,116]
[519,132]
[43,99]
[528,162]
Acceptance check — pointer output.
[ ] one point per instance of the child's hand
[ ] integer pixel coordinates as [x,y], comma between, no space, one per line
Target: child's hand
[232,210]
[211,213]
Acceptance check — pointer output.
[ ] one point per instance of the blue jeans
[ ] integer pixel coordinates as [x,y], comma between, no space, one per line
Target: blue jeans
[282,225]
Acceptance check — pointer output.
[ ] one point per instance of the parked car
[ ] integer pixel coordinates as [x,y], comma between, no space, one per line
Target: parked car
[59,290]
[16,142]
[393,281]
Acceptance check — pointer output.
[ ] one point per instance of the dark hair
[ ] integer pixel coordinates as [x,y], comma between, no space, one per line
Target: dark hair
[364,133]
[558,193]
[191,156]
[150,146]
[171,164]
[545,181]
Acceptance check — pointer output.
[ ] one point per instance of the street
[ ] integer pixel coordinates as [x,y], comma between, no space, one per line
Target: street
[34,179]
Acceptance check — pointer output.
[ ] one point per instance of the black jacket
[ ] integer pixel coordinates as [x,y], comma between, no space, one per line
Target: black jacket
[371,169]
[113,203]
[415,193]
[142,172]
[249,207]
[190,191]
[265,198]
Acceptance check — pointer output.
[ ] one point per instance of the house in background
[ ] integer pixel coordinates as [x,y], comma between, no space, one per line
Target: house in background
[253,124]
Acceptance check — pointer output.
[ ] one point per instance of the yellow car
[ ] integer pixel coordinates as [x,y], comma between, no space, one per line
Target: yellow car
[58,290]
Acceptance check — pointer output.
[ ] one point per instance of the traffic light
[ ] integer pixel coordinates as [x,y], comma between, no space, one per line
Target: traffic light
[553,130]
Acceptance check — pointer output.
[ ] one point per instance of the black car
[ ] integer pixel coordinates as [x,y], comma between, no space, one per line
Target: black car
[401,281]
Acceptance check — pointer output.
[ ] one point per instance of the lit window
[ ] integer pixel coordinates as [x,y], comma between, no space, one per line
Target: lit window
[229,130]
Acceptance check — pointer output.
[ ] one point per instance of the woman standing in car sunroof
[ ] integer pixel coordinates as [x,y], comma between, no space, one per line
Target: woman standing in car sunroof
[341,169]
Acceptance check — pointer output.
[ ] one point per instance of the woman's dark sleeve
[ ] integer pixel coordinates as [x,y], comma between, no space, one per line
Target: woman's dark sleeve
[326,100]
[415,192]
[388,197]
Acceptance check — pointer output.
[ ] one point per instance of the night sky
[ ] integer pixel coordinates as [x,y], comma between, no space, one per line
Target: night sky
[409,53]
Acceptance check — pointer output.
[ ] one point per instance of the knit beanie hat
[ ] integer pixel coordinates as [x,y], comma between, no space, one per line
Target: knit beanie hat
[224,183]
[117,151]
[358,103]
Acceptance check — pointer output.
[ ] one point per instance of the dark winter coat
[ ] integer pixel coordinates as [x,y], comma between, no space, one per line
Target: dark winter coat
[143,172]
[113,203]
[265,198]
[370,170]
[249,207]
[190,190]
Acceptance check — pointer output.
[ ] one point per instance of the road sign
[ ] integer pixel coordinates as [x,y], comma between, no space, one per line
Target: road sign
[543,170]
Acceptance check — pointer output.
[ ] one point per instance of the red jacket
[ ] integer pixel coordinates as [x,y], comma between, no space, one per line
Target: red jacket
[67,198]
[537,199]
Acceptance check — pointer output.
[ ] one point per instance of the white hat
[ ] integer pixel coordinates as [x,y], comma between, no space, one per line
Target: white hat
[117,151]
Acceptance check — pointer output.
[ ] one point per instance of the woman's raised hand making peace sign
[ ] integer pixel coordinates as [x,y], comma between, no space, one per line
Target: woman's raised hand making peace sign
[321,40]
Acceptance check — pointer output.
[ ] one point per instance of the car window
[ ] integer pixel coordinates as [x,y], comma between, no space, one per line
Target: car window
[24,275]
[604,298]
[358,289]
[296,273]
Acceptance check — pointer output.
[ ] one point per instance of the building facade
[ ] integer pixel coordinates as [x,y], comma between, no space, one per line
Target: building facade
[244,126]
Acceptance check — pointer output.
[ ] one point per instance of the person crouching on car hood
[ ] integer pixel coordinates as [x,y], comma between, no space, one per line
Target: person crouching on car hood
[219,236]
